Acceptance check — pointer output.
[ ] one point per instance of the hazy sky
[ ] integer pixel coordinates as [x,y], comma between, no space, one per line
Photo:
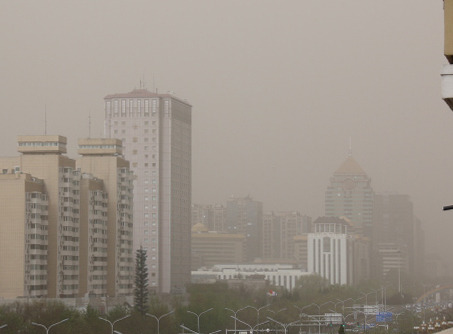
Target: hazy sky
[277,88]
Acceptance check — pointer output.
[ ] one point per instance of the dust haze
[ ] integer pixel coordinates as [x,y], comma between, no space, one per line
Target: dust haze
[278,88]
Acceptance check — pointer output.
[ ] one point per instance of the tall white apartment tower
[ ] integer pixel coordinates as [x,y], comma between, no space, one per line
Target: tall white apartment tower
[156,133]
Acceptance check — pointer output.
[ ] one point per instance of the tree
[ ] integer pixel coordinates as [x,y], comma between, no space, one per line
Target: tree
[141,282]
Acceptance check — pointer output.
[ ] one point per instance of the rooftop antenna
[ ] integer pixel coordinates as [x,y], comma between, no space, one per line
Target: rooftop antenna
[350,147]
[45,119]
[89,124]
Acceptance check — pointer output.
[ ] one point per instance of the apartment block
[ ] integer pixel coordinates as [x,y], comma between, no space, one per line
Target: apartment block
[64,232]
[93,237]
[23,235]
[101,157]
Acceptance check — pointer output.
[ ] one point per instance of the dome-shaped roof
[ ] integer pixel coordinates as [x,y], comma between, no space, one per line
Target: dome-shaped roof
[350,167]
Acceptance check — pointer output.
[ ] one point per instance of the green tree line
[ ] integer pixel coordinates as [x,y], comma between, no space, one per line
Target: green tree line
[225,302]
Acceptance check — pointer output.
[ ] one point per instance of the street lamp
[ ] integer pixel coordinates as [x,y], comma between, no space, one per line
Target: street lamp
[258,311]
[235,315]
[198,317]
[285,326]
[326,303]
[158,319]
[342,302]
[303,308]
[48,328]
[113,323]
[318,320]
[277,312]
[3,326]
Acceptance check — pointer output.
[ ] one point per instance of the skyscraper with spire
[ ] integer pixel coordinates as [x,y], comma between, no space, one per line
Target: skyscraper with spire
[350,195]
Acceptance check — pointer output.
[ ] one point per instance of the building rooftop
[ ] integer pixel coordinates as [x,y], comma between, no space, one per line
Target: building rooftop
[142,93]
[350,167]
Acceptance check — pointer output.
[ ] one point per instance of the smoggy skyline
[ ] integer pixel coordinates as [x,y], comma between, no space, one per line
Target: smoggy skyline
[278,88]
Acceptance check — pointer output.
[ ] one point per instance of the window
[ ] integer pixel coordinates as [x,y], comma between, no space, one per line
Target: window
[131,107]
[123,107]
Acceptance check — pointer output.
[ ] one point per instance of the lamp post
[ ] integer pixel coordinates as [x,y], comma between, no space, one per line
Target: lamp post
[285,326]
[113,323]
[303,308]
[3,326]
[235,315]
[48,328]
[326,303]
[258,311]
[158,319]
[277,312]
[318,320]
[198,317]
[342,302]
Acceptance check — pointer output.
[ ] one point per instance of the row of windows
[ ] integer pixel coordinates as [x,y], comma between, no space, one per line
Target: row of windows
[39,143]
[99,146]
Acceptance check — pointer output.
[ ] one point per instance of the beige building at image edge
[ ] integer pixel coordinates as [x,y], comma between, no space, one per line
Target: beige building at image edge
[58,223]
[23,236]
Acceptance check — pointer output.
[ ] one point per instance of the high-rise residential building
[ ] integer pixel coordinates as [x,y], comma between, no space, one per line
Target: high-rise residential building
[64,232]
[42,157]
[93,237]
[350,195]
[155,130]
[271,236]
[279,230]
[23,235]
[398,234]
[212,216]
[244,215]
[102,158]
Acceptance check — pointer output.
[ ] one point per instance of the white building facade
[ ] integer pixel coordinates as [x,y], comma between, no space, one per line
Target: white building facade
[284,276]
[330,252]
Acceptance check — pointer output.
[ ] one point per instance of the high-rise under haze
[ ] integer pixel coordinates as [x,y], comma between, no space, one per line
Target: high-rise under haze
[101,157]
[155,130]
[245,215]
[350,195]
[65,232]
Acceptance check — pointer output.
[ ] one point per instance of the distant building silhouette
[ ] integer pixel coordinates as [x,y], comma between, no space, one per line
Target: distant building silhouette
[244,215]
